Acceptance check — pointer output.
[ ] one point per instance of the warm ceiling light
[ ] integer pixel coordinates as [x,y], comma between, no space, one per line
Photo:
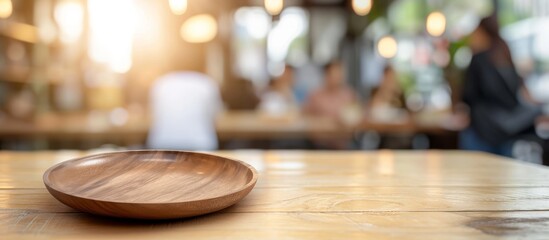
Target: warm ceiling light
[178,7]
[362,7]
[274,7]
[387,47]
[6,8]
[436,24]
[111,30]
[199,29]
[69,15]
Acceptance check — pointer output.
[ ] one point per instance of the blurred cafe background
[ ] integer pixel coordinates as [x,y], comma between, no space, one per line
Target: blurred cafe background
[276,74]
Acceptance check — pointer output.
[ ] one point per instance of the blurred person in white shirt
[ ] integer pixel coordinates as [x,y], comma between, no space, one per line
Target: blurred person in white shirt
[184,105]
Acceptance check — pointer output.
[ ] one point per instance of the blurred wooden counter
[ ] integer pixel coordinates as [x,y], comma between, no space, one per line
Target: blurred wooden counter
[230,125]
[254,125]
[313,195]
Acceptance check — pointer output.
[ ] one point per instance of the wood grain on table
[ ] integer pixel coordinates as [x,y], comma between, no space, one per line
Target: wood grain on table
[315,195]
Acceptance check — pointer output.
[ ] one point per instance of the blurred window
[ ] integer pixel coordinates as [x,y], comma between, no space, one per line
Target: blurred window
[285,40]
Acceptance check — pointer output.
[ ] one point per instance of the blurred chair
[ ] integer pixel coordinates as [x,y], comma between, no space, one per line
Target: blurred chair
[240,95]
[184,107]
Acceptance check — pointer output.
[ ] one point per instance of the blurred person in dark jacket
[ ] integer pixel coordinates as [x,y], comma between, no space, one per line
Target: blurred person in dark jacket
[501,109]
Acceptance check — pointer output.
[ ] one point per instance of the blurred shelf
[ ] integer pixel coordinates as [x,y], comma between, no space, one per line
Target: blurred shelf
[19,31]
[15,74]
[22,75]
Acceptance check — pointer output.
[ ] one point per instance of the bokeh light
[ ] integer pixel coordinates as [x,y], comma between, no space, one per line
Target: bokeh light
[6,8]
[199,29]
[436,24]
[274,7]
[362,7]
[178,7]
[387,47]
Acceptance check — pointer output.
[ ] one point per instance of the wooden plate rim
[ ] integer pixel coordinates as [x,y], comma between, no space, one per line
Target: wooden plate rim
[251,183]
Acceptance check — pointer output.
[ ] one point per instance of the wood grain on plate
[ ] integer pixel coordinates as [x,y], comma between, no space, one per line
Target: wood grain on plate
[150,184]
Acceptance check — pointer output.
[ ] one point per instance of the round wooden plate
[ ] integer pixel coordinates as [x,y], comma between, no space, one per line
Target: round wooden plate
[150,184]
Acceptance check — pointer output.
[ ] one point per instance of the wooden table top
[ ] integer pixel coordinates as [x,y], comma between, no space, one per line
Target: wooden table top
[314,195]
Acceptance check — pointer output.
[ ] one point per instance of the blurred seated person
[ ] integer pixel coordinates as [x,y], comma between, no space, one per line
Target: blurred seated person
[332,101]
[279,99]
[240,94]
[388,105]
[501,109]
[184,105]
[388,102]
